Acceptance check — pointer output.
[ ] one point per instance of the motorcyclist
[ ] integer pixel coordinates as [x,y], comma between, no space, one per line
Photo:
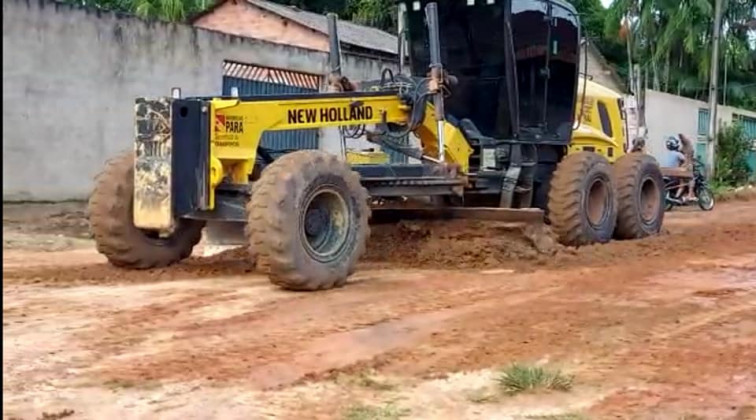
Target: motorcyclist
[676,164]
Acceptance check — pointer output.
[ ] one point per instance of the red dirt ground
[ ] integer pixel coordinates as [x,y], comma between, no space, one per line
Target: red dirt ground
[658,328]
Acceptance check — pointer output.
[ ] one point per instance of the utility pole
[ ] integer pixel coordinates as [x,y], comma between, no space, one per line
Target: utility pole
[711,146]
[629,42]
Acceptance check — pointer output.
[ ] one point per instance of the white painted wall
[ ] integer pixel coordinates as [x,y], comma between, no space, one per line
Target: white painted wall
[668,114]
[70,77]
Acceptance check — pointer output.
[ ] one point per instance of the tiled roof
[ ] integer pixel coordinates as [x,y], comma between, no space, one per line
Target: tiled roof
[349,33]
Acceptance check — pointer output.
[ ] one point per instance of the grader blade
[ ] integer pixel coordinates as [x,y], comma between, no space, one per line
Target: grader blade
[220,236]
[517,216]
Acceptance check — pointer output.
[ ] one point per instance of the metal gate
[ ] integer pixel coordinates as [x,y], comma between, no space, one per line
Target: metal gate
[749,127]
[256,80]
[396,157]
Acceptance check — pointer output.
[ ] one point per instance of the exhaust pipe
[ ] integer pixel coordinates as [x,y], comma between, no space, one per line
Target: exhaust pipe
[334,50]
[437,74]
[336,82]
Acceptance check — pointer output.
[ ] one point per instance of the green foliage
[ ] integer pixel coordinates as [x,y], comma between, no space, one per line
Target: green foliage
[592,16]
[672,41]
[168,10]
[519,378]
[732,150]
[377,13]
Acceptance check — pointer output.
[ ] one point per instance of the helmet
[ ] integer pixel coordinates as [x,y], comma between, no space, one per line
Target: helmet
[673,143]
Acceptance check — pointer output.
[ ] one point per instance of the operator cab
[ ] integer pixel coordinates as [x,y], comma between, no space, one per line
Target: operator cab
[516,61]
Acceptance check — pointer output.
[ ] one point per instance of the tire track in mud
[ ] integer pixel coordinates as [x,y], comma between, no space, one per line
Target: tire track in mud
[443,246]
[560,325]
[684,369]
[281,332]
[489,325]
[275,345]
[683,362]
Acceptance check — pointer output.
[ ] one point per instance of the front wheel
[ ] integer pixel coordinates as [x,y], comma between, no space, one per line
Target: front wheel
[308,220]
[705,198]
[111,212]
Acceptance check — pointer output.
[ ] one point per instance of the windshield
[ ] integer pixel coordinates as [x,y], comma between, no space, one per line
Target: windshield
[472,48]
[475,42]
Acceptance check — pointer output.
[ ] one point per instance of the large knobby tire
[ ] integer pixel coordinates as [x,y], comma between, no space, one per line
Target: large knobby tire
[308,221]
[582,200]
[640,196]
[111,219]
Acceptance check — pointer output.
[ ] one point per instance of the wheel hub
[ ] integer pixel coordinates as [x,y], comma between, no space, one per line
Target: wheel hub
[325,224]
[650,200]
[316,221]
[597,200]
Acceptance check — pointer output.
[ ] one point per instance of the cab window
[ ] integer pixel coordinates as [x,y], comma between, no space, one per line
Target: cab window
[606,122]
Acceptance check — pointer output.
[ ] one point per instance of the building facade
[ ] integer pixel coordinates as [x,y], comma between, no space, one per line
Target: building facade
[670,115]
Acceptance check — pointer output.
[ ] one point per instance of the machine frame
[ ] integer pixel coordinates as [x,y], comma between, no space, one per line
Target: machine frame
[504,156]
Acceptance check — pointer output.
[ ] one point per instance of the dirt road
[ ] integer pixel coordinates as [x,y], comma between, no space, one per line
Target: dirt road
[660,328]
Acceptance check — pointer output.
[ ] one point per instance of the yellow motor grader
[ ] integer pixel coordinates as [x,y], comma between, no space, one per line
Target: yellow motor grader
[507,127]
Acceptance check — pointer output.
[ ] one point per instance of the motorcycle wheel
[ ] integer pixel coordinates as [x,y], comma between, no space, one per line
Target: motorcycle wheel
[705,198]
[668,204]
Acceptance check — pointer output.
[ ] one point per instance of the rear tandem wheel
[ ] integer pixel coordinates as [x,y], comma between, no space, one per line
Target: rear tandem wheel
[582,204]
[640,191]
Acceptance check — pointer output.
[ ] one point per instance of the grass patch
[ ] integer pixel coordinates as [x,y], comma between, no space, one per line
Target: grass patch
[388,411]
[57,416]
[520,378]
[365,380]
[564,416]
[116,384]
[482,396]
[744,193]
[692,417]
[120,383]
[372,383]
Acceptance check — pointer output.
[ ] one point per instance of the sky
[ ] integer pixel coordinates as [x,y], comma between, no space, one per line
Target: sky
[606,3]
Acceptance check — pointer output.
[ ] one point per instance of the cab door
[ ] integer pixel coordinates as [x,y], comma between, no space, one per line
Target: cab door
[530,30]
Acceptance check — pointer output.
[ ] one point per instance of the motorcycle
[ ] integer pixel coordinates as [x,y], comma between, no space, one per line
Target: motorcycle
[702,191]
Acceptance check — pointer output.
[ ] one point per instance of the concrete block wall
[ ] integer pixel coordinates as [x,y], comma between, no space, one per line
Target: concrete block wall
[70,76]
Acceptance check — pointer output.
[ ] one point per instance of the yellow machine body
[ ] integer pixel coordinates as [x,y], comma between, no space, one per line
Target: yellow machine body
[237,127]
[599,121]
[360,157]
[509,153]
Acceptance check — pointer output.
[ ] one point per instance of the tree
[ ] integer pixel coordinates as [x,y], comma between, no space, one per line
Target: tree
[169,10]
[672,41]
[669,39]
[378,13]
